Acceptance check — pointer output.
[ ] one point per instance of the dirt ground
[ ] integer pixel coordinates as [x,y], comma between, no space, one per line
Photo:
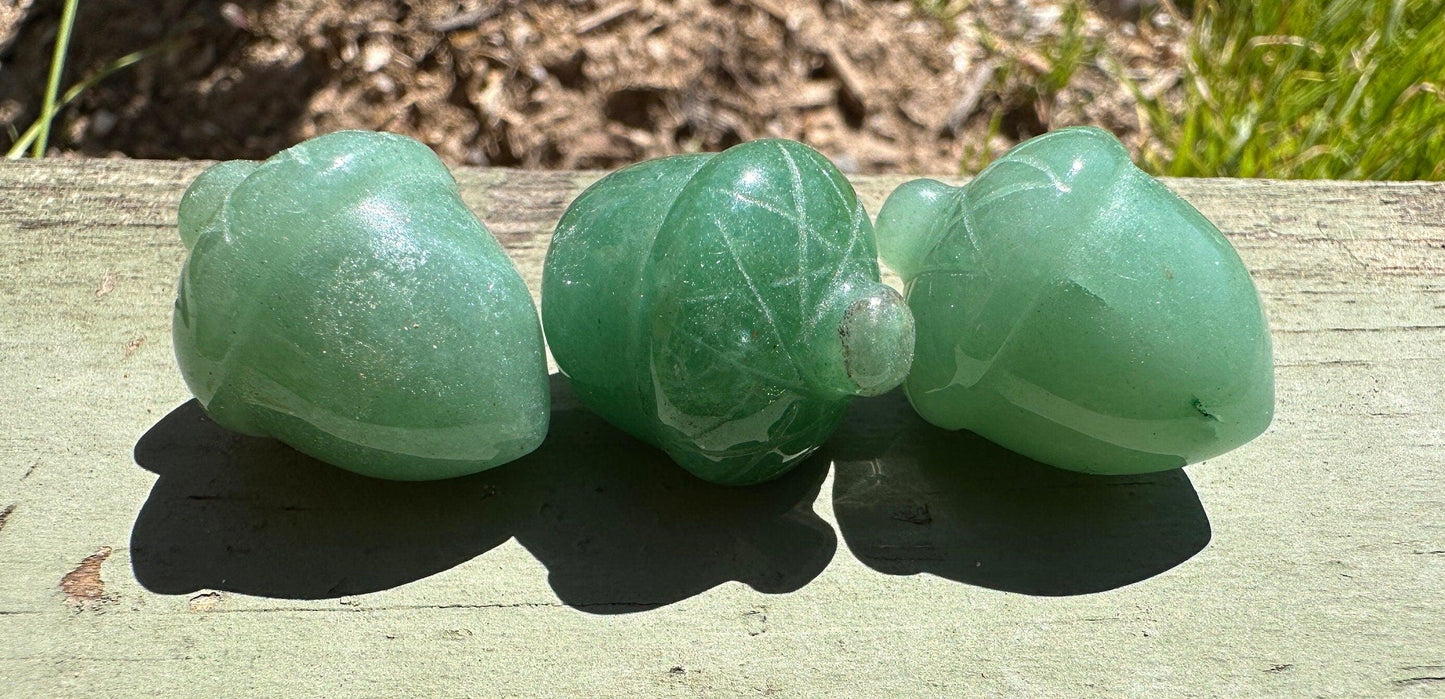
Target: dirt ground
[877,86]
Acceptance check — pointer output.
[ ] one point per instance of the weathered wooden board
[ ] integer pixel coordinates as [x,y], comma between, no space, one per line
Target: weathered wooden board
[143,550]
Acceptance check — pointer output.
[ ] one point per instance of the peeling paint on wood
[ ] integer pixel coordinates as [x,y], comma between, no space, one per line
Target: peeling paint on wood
[83,587]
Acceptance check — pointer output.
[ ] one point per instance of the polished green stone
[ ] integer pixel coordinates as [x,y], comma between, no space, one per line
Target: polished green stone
[1071,308]
[341,298]
[724,307]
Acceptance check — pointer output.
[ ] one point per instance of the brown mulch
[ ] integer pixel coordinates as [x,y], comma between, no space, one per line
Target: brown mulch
[877,86]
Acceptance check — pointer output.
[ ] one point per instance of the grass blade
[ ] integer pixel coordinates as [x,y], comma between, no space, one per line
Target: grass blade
[32,134]
[52,84]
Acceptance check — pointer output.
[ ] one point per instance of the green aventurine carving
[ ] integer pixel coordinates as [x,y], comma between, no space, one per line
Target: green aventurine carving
[341,298]
[1071,308]
[724,307]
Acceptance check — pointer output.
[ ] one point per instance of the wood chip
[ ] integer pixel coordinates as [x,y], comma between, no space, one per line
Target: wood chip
[1162,82]
[466,20]
[818,93]
[604,17]
[771,9]
[968,101]
[848,74]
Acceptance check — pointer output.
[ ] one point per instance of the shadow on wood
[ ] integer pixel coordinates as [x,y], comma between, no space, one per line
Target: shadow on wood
[618,526]
[912,498]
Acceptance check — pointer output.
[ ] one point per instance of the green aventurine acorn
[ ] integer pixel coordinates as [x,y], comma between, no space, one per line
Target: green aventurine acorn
[724,307]
[341,298]
[1071,308]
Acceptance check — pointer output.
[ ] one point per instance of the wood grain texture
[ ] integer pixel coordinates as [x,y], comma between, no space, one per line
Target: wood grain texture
[143,550]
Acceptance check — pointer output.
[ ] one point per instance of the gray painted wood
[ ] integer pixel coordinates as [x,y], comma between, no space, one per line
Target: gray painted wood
[143,550]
